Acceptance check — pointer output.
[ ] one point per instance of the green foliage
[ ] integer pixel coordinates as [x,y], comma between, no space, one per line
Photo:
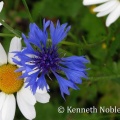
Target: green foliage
[56,8]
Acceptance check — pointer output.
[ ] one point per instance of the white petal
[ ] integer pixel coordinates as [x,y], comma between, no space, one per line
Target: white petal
[109,10]
[106,6]
[0,115]
[2,99]
[113,16]
[9,106]
[26,109]
[15,45]
[0,23]
[1,5]
[38,90]
[42,91]
[27,95]
[42,98]
[3,56]
[91,2]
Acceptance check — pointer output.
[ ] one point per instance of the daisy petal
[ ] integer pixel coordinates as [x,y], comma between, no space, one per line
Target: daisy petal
[15,45]
[106,6]
[42,98]
[3,56]
[26,109]
[27,95]
[42,91]
[109,10]
[1,5]
[0,115]
[9,106]
[113,16]
[0,23]
[91,2]
[2,99]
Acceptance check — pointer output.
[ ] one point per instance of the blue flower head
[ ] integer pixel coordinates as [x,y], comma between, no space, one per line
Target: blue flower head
[40,57]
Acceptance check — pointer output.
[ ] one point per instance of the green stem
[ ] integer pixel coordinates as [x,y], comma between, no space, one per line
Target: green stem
[84,40]
[104,77]
[29,15]
[69,43]
[87,46]
[16,33]
[6,35]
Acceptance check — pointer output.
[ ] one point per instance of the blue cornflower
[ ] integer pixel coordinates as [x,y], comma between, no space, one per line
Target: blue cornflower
[40,57]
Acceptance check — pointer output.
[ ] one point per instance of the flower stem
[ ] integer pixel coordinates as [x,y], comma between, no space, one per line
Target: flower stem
[104,77]
[6,35]
[26,6]
[69,43]
[86,46]
[16,33]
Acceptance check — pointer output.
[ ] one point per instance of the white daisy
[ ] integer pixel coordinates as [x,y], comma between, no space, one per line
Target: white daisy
[109,7]
[9,84]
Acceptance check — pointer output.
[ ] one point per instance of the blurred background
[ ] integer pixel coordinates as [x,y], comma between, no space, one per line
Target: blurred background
[88,36]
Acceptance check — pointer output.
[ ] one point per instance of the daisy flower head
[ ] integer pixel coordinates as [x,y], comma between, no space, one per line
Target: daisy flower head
[12,89]
[40,58]
[107,7]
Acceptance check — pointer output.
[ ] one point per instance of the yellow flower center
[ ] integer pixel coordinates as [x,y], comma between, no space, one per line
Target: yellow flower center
[9,82]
